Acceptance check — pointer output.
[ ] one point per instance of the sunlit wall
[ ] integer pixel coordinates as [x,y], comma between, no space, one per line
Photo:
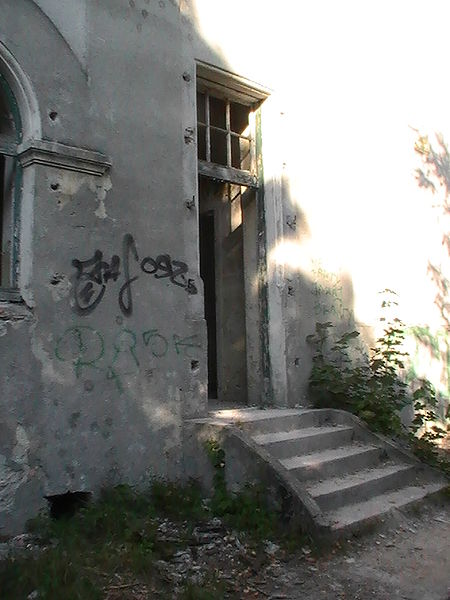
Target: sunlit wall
[356,83]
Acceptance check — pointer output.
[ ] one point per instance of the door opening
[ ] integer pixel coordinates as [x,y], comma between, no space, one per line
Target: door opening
[228,261]
[228,110]
[208,274]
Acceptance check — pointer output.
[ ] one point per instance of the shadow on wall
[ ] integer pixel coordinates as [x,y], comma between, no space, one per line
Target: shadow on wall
[434,175]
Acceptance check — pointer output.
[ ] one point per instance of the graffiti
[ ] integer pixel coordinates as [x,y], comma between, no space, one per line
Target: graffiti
[157,343]
[92,276]
[328,291]
[91,279]
[84,347]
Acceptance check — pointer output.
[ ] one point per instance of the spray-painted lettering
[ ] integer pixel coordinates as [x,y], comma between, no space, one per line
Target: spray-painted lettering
[85,348]
[92,276]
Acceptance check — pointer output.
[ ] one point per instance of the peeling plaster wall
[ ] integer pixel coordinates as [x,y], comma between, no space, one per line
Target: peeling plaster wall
[107,354]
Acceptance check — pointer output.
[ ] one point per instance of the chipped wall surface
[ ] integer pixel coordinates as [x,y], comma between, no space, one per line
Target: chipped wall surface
[107,352]
[107,355]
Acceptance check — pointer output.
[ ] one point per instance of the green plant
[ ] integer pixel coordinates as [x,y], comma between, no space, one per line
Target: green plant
[247,510]
[423,436]
[114,534]
[179,502]
[371,388]
[374,388]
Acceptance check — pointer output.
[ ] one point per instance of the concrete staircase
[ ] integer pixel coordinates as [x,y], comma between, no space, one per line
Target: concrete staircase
[346,476]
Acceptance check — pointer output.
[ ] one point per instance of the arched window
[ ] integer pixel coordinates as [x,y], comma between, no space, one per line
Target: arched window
[10,187]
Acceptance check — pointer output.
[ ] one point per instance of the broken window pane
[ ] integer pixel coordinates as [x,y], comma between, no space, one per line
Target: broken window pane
[201,142]
[218,147]
[217,112]
[240,153]
[239,117]
[201,115]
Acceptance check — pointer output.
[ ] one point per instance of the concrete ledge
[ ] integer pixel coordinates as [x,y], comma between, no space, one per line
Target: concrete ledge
[60,156]
[15,312]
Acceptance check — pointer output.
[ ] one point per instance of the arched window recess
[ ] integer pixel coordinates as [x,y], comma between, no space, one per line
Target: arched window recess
[10,189]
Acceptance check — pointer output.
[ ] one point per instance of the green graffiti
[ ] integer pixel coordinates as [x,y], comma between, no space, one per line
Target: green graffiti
[328,291]
[84,347]
[125,341]
[157,342]
[81,345]
[185,343]
[112,375]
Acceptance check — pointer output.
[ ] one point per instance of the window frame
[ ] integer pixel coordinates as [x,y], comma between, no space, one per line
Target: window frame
[11,293]
[216,83]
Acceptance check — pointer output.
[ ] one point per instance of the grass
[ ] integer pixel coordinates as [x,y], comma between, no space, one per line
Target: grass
[112,543]
[115,534]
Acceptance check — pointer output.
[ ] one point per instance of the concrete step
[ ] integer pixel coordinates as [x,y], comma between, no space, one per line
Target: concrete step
[333,461]
[353,517]
[274,423]
[342,476]
[359,487]
[285,444]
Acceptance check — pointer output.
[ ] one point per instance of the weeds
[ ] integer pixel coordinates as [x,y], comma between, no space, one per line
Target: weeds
[247,510]
[115,534]
[115,539]
[374,388]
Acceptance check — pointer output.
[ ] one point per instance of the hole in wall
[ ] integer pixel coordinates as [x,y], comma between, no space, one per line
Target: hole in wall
[54,186]
[66,505]
[56,278]
[52,115]
[194,365]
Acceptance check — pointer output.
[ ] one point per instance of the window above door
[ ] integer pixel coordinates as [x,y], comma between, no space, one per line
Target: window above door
[226,126]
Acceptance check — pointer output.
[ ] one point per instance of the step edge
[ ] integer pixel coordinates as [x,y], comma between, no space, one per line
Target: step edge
[359,451]
[427,491]
[387,473]
[319,431]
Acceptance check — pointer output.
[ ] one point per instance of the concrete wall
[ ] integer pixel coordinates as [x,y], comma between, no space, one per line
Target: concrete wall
[98,371]
[353,87]
[100,366]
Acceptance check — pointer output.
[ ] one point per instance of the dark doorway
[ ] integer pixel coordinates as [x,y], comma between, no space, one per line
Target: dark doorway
[208,274]
[227,267]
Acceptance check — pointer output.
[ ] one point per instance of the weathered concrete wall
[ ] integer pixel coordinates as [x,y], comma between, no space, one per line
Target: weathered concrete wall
[108,352]
[109,355]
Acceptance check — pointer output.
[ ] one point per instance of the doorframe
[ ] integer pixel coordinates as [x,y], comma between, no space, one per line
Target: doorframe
[269,208]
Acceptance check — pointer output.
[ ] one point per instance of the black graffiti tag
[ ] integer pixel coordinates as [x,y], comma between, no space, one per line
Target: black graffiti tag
[90,281]
[125,295]
[164,266]
[93,274]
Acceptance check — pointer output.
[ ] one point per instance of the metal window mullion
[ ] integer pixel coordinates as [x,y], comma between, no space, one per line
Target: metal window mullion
[208,130]
[228,128]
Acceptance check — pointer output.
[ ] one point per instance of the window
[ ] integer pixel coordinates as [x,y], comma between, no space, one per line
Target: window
[227,105]
[9,190]
[223,132]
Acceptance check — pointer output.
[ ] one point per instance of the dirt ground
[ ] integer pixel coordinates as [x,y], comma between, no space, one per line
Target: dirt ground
[409,561]
[407,558]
